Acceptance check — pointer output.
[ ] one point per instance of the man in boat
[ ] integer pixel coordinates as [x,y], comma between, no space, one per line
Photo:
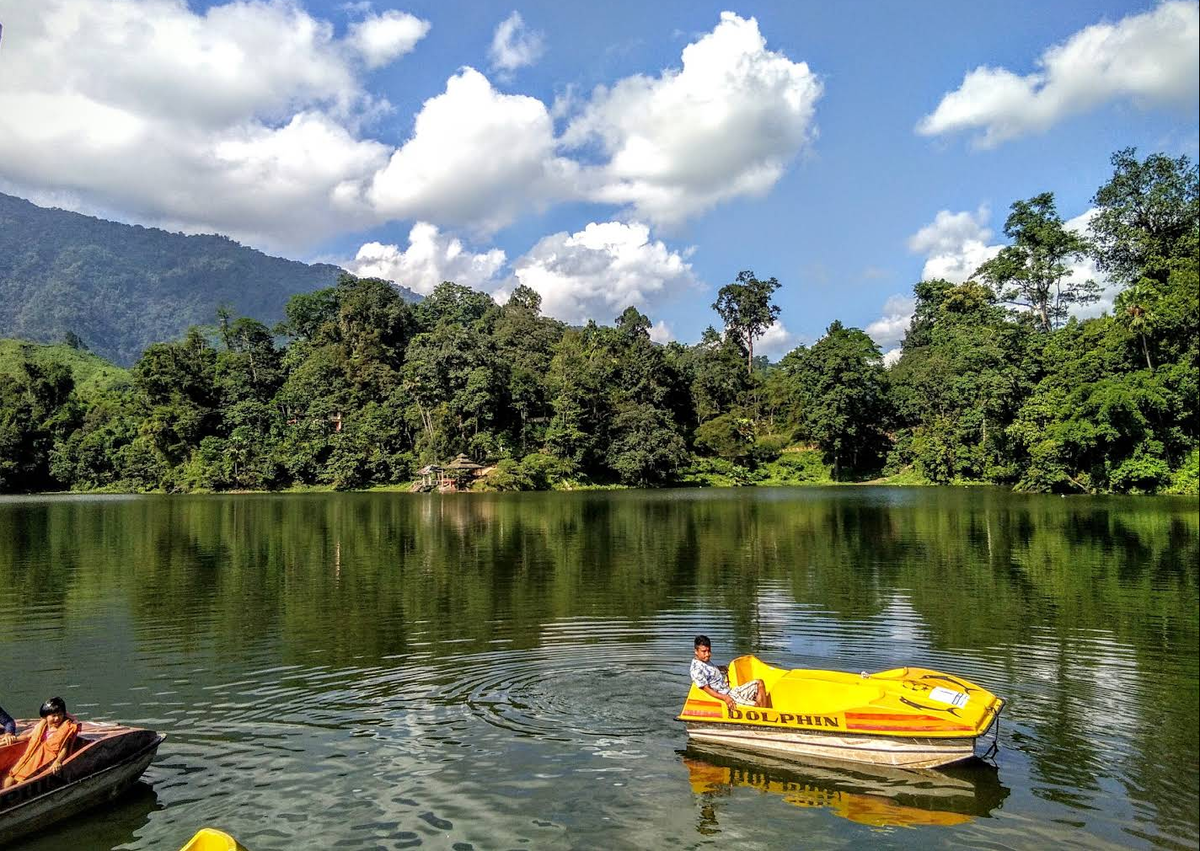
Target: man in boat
[8,728]
[49,743]
[714,681]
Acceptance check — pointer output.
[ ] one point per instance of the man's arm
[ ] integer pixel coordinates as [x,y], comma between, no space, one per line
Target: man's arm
[727,699]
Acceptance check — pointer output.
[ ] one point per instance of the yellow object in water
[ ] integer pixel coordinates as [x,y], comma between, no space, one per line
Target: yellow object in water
[903,799]
[208,839]
[908,717]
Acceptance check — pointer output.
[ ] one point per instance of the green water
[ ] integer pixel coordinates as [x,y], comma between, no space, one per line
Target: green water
[385,671]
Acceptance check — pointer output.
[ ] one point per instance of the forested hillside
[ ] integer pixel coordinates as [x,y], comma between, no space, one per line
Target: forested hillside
[121,287]
[996,383]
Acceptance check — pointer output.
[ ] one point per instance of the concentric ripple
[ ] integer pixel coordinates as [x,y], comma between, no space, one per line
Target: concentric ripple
[563,692]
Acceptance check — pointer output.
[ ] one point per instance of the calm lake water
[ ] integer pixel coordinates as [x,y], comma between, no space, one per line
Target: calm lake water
[382,671]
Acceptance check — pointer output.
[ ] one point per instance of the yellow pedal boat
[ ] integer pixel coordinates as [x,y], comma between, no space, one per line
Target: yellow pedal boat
[906,717]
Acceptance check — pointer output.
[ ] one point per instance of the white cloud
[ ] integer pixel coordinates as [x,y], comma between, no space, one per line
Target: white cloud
[383,38]
[891,357]
[476,157]
[238,119]
[775,342]
[724,125]
[599,271]
[661,332]
[430,259]
[253,118]
[515,46]
[888,330]
[1149,59]
[955,245]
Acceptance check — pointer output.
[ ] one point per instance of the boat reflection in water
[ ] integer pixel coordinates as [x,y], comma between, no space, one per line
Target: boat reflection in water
[870,795]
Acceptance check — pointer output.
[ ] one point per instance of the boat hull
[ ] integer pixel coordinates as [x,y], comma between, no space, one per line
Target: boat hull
[915,752]
[98,773]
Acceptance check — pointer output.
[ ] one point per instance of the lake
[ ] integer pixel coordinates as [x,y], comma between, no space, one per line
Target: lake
[384,671]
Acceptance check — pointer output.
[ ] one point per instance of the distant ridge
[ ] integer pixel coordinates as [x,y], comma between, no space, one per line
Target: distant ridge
[121,287]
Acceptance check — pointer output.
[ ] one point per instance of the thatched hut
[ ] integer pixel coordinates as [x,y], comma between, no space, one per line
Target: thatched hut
[459,474]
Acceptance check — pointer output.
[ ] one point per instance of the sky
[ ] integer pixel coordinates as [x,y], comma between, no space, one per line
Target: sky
[602,154]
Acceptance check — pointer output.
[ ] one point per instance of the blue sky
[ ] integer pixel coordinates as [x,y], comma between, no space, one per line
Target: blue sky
[812,142]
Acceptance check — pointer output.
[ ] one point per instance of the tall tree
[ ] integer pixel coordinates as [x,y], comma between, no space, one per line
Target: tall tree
[1033,271]
[841,389]
[1148,216]
[746,309]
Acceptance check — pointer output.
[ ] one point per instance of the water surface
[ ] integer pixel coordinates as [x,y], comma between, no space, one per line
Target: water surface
[385,671]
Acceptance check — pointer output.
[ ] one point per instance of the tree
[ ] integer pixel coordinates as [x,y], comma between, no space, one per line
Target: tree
[177,380]
[746,309]
[525,342]
[1135,313]
[36,411]
[1033,271]
[453,303]
[960,378]
[646,448]
[718,382]
[1148,216]
[840,385]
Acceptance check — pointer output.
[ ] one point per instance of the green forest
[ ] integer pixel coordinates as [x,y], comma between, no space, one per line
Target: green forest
[996,383]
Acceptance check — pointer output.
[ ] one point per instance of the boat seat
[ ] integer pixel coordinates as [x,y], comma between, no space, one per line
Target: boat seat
[828,697]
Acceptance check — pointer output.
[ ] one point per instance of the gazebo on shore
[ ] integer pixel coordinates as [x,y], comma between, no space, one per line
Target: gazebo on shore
[447,478]
[431,475]
[458,472]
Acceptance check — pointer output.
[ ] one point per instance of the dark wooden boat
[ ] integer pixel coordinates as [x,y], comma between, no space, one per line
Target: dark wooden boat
[105,760]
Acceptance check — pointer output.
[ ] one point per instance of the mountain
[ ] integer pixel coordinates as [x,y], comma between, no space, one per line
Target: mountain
[121,287]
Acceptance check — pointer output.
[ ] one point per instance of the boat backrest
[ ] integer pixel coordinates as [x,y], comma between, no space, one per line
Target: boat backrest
[743,670]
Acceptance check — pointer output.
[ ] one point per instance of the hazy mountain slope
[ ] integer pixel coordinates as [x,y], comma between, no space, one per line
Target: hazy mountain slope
[121,287]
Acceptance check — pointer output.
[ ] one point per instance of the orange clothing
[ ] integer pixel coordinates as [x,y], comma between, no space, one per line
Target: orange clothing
[43,749]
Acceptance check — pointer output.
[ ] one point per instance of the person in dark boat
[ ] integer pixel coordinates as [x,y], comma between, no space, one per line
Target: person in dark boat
[49,743]
[714,681]
[8,728]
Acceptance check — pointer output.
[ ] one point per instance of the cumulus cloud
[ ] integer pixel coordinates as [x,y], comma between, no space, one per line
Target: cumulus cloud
[381,39]
[1149,59]
[253,118]
[661,332]
[239,119]
[776,342]
[724,125]
[476,156]
[514,45]
[599,271]
[955,245]
[889,329]
[431,258]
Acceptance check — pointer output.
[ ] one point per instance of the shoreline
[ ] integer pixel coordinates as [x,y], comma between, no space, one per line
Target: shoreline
[900,481]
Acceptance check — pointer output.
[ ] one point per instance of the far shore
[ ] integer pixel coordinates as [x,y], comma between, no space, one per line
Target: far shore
[903,480]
